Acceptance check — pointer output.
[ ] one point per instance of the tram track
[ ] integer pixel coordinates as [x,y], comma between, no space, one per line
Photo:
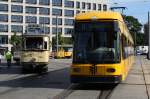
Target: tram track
[104,91]
[65,93]
[105,94]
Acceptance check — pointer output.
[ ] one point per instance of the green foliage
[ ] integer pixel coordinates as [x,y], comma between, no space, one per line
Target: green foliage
[133,24]
[68,40]
[54,39]
[140,39]
[61,40]
[135,27]
[15,41]
[50,43]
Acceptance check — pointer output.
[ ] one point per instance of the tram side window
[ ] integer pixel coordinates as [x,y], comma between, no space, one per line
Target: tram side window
[130,49]
[124,47]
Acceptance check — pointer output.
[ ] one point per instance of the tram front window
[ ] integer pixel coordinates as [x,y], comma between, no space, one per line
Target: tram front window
[34,43]
[96,42]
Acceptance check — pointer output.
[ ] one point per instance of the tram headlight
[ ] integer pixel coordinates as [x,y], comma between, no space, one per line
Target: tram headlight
[111,70]
[77,70]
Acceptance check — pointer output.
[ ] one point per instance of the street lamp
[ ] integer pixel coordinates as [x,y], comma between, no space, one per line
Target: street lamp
[57,34]
[148,35]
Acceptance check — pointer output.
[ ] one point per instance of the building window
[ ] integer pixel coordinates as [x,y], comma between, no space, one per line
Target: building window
[59,21]
[78,5]
[3,8]
[16,28]
[69,13]
[31,1]
[83,5]
[3,28]
[16,8]
[105,7]
[89,6]
[69,22]
[68,31]
[44,20]
[3,18]
[78,11]
[31,10]
[44,11]
[46,29]
[18,1]
[69,4]
[3,39]
[31,19]
[4,0]
[57,2]
[94,6]
[54,30]
[99,7]
[17,18]
[57,12]
[44,2]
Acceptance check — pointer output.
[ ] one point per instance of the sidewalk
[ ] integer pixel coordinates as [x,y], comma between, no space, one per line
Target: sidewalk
[137,84]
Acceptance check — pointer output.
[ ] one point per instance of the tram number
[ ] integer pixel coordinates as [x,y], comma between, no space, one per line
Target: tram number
[93,69]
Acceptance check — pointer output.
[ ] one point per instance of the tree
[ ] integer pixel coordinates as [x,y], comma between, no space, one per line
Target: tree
[135,27]
[140,39]
[60,40]
[15,41]
[67,40]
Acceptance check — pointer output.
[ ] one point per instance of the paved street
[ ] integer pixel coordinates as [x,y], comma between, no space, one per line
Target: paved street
[55,84]
[15,85]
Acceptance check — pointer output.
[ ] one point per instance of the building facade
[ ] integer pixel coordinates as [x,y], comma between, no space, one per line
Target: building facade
[15,15]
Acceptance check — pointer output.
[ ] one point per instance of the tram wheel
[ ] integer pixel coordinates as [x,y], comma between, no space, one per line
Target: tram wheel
[41,69]
[26,70]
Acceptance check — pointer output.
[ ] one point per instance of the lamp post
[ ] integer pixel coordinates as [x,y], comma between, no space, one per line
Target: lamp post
[148,36]
[57,34]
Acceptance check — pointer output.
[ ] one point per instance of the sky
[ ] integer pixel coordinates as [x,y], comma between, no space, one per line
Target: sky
[137,8]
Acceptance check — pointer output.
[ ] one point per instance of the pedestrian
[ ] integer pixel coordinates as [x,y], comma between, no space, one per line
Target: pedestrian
[8,57]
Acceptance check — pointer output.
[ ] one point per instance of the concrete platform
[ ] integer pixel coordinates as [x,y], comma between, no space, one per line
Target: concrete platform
[137,84]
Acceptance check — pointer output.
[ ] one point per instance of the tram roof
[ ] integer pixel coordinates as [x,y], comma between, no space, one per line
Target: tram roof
[99,15]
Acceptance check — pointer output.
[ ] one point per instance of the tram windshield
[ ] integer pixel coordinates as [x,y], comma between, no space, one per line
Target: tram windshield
[96,42]
[35,43]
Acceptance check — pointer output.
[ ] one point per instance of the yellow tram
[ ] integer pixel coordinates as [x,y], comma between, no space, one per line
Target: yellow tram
[103,48]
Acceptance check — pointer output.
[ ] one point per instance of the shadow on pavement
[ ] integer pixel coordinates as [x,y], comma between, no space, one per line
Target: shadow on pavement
[53,79]
[14,69]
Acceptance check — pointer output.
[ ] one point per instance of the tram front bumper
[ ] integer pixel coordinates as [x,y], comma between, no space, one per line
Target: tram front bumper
[34,63]
[100,79]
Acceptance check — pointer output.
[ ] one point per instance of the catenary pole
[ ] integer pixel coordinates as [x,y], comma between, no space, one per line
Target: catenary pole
[148,36]
[57,33]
